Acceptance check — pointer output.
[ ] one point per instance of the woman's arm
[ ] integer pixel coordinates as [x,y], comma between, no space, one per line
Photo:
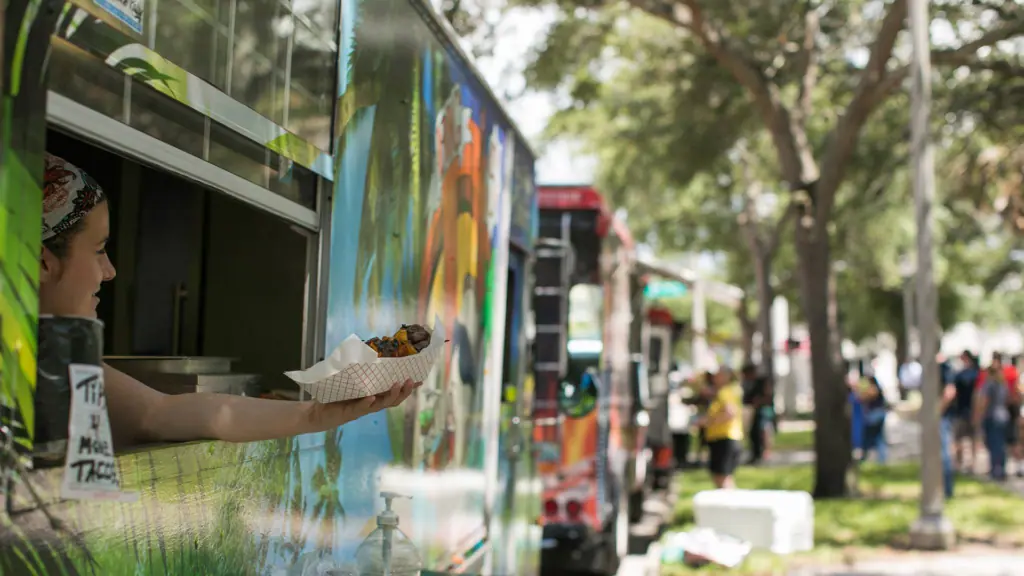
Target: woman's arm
[948,395]
[140,414]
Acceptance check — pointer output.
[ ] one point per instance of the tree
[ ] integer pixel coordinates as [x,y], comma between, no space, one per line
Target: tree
[791,67]
[717,193]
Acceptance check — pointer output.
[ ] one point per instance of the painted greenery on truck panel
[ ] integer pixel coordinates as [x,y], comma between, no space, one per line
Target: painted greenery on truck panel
[26,33]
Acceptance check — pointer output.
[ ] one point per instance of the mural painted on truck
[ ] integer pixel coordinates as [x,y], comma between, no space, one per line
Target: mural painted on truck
[21,168]
[524,199]
[421,165]
[417,212]
[515,536]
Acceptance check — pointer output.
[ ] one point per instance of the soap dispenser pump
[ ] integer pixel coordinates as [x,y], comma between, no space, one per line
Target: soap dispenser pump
[387,551]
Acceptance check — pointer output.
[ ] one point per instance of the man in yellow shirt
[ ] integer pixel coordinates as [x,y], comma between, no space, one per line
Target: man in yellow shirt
[724,423]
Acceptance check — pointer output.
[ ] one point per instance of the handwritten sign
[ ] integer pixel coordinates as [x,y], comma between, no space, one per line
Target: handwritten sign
[90,472]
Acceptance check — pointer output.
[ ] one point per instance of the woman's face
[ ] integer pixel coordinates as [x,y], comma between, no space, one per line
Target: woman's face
[721,378]
[70,286]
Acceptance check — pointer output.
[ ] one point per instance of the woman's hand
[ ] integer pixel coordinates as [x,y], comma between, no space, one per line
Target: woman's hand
[333,414]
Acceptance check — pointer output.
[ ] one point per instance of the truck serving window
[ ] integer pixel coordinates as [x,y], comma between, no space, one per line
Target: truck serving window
[210,293]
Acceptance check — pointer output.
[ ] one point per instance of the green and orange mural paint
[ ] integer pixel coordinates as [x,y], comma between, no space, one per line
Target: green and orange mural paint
[26,29]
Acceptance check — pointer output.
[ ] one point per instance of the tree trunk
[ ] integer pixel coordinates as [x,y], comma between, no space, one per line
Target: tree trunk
[902,350]
[765,297]
[835,330]
[832,430]
[747,327]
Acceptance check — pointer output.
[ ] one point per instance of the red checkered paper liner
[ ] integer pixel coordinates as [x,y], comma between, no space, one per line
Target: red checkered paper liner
[354,371]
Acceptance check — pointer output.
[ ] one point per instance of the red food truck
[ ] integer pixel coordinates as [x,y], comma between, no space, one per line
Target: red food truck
[592,393]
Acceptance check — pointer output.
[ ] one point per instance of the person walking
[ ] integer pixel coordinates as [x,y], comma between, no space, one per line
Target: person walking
[724,423]
[1015,447]
[762,424]
[752,385]
[872,398]
[993,417]
[947,395]
[704,395]
[962,414]
[856,417]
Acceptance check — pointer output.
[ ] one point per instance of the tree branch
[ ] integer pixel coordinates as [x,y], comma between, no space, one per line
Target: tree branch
[775,237]
[957,55]
[748,219]
[874,192]
[796,161]
[874,86]
[809,61]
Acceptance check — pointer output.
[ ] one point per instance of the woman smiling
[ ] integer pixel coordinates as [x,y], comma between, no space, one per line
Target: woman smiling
[75,264]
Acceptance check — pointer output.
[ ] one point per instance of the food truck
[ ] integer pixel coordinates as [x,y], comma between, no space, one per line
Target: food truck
[590,418]
[280,175]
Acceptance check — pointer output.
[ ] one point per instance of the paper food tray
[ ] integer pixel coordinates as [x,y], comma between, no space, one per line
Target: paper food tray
[354,371]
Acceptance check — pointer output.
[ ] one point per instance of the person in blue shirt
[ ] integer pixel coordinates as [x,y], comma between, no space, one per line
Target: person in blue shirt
[872,399]
[856,415]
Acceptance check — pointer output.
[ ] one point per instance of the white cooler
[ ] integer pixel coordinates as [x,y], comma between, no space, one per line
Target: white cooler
[775,520]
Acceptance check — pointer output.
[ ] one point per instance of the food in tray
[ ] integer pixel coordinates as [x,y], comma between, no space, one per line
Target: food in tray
[409,340]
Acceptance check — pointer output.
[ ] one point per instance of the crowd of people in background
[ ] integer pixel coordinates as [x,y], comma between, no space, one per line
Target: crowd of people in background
[982,406]
[980,415]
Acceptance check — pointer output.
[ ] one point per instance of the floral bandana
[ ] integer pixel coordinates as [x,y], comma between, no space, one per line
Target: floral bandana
[68,195]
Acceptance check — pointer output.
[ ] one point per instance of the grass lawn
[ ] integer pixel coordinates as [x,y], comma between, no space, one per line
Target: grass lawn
[792,441]
[871,525]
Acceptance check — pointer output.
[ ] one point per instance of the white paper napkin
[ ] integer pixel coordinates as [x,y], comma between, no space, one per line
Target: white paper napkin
[353,370]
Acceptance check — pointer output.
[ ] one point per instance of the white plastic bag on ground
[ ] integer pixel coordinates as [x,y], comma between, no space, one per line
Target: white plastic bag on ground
[703,545]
